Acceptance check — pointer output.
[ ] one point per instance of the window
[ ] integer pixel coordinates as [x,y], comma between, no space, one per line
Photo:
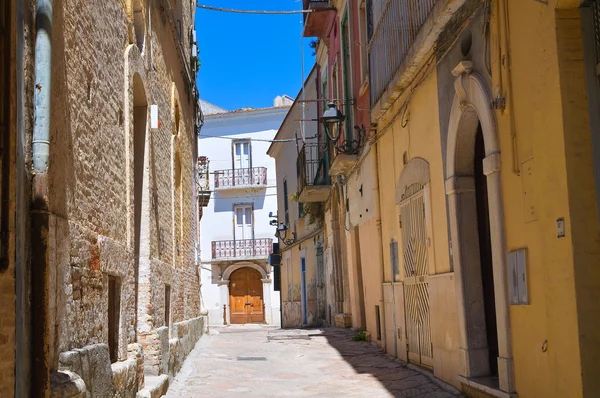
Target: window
[364,42]
[114,317]
[347,77]
[369,19]
[167,305]
[324,87]
[241,155]
[334,83]
[243,222]
[285,203]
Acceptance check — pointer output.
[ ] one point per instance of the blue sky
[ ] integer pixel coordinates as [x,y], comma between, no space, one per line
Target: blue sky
[247,60]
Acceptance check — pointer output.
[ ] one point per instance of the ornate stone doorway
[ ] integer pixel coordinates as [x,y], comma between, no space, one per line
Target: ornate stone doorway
[478,248]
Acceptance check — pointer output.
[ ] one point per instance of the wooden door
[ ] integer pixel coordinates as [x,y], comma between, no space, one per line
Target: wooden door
[246,297]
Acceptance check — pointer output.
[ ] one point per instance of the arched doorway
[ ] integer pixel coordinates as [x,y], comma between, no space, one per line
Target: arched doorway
[246,302]
[477,237]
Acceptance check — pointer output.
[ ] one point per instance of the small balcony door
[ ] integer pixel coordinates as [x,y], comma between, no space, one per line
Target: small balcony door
[242,162]
[243,223]
[241,155]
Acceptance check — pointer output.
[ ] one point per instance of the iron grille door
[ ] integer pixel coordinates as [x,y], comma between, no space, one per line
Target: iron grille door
[416,270]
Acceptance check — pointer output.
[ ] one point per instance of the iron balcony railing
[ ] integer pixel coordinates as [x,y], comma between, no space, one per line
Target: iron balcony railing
[242,249]
[312,166]
[241,178]
[396,24]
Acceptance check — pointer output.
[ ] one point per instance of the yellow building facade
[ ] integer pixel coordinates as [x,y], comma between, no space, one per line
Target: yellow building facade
[469,217]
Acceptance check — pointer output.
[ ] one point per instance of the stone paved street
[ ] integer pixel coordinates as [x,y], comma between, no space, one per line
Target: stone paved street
[253,361]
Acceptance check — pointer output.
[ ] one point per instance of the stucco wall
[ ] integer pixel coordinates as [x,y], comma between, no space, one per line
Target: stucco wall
[554,157]
[259,126]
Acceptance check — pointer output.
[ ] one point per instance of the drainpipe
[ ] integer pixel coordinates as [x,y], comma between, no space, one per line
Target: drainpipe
[40,269]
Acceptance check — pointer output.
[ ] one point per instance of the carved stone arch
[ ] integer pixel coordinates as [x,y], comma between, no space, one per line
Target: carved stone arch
[470,108]
[234,267]
[137,18]
[416,171]
[471,111]
[134,96]
[136,131]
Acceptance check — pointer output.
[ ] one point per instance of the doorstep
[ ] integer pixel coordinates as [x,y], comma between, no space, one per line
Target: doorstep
[487,385]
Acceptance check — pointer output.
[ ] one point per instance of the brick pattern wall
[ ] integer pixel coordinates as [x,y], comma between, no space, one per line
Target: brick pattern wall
[90,197]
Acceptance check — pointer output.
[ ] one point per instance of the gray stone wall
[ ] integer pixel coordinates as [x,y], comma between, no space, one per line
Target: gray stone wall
[96,56]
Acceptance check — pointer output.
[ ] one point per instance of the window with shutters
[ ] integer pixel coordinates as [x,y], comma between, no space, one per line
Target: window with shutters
[285,203]
[364,41]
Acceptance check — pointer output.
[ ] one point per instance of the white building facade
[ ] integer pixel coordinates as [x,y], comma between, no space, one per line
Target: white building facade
[236,239]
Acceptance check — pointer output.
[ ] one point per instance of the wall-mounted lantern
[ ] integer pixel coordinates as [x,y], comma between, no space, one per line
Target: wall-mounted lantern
[282,230]
[332,121]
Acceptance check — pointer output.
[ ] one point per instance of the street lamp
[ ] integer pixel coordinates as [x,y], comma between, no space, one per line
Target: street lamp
[332,120]
[281,233]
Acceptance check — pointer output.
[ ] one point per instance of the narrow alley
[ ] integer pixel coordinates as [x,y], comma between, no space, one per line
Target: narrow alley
[259,361]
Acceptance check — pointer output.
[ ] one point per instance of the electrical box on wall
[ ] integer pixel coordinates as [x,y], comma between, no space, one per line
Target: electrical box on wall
[517,277]
[153,116]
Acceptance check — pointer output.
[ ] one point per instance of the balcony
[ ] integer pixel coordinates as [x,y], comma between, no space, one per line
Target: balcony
[313,174]
[237,250]
[255,177]
[202,173]
[404,33]
[315,22]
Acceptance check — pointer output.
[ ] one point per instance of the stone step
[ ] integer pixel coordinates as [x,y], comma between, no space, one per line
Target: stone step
[155,387]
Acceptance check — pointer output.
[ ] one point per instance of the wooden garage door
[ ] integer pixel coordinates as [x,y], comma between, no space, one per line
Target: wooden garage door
[246,297]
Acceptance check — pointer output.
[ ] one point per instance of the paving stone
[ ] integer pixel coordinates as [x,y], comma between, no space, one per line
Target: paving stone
[330,364]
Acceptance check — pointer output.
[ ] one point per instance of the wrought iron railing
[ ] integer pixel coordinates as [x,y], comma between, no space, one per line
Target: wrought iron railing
[242,249]
[396,26]
[241,178]
[312,166]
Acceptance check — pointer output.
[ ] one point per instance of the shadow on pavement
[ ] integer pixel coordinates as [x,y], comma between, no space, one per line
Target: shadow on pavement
[396,377]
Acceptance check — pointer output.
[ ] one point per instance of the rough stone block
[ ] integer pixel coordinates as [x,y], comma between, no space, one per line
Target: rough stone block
[124,375]
[66,384]
[92,364]
[343,320]
[156,386]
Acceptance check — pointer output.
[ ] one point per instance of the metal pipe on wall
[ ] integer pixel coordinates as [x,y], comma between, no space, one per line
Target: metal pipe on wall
[40,216]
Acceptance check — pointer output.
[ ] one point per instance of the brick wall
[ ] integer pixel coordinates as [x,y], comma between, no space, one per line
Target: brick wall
[91,174]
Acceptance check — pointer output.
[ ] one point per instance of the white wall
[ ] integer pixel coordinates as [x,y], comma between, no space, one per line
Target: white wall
[217,221]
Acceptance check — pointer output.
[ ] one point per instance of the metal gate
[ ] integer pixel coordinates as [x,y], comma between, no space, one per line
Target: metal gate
[416,269]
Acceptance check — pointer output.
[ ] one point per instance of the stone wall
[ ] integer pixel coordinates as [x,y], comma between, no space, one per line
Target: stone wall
[116,211]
